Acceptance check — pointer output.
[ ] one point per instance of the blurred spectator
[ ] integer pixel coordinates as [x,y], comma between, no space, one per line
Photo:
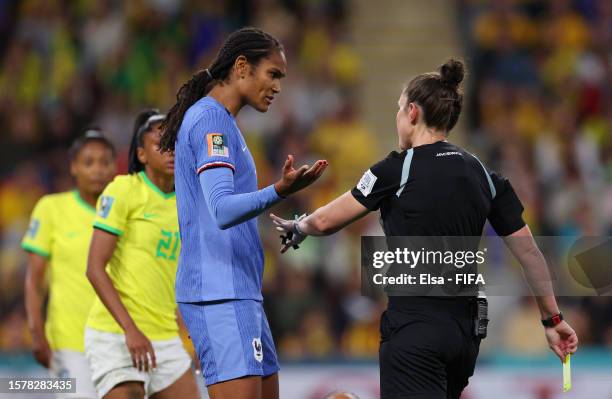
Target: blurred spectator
[66,66]
[543,90]
[541,112]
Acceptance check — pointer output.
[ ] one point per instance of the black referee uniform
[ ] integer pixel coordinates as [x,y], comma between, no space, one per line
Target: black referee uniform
[428,349]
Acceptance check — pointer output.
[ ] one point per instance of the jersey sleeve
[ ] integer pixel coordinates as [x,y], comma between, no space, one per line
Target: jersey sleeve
[506,210]
[379,182]
[113,207]
[39,237]
[214,141]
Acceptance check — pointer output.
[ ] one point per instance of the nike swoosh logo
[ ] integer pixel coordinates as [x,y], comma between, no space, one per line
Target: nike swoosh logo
[149,215]
[244,148]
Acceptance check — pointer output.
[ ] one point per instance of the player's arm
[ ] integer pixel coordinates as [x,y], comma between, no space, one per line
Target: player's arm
[37,242]
[229,209]
[35,293]
[101,250]
[378,183]
[217,147]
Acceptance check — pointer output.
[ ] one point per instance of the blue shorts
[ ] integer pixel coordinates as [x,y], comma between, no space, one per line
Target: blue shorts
[231,338]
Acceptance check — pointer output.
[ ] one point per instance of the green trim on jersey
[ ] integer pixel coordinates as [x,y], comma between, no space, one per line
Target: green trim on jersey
[154,187]
[83,203]
[144,262]
[107,228]
[34,249]
[60,231]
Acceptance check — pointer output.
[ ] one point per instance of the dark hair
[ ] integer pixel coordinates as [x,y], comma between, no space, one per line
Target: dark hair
[92,134]
[142,125]
[439,94]
[252,43]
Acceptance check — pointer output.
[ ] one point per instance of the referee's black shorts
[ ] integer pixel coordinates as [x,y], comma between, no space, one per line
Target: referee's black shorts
[427,348]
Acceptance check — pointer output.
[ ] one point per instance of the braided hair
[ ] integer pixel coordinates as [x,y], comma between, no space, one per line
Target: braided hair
[252,43]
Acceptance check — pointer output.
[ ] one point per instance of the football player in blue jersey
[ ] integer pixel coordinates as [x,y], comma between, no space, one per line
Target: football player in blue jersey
[218,283]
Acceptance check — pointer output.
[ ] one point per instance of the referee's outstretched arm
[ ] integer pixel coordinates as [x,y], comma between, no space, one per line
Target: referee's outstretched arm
[344,210]
[562,339]
[326,220]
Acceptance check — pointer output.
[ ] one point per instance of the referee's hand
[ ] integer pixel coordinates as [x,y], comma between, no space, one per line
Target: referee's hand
[291,236]
[562,339]
[293,180]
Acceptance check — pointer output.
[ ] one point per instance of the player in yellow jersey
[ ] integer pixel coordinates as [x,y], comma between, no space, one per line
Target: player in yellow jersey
[57,242]
[132,336]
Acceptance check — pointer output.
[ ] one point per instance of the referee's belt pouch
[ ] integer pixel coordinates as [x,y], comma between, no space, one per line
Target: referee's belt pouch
[480,311]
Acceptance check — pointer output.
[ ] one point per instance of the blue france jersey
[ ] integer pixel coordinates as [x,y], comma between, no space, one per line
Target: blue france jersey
[214,264]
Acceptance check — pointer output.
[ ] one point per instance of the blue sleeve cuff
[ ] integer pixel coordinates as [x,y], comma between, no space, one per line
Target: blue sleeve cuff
[270,194]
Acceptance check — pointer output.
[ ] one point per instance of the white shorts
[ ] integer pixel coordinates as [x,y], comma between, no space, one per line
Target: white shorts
[111,363]
[73,364]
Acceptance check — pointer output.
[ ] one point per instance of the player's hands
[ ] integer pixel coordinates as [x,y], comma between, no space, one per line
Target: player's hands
[562,339]
[294,180]
[291,236]
[141,350]
[41,349]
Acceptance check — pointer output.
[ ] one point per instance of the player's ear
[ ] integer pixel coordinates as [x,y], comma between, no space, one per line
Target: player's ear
[142,156]
[73,168]
[241,67]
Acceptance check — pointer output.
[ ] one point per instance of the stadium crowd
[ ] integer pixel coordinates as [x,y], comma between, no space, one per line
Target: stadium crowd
[541,112]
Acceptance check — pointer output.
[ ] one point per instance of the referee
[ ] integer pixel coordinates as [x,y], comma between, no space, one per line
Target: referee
[429,345]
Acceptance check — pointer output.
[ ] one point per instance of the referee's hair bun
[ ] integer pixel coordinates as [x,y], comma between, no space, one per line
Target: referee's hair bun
[451,73]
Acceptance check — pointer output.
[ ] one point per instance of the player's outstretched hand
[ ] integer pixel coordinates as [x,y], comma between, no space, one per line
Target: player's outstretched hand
[291,237]
[294,180]
[562,339]
[141,350]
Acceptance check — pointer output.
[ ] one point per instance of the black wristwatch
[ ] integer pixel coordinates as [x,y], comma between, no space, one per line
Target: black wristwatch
[553,320]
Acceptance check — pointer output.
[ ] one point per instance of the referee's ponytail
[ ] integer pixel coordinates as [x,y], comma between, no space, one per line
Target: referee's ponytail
[252,43]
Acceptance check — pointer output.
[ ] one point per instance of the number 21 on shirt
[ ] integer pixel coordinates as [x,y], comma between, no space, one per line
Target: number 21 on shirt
[168,244]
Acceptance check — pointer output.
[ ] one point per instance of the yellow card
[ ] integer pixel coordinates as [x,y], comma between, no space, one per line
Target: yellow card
[567,374]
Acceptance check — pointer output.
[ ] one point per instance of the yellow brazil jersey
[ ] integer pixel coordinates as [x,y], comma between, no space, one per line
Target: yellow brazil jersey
[143,266]
[60,230]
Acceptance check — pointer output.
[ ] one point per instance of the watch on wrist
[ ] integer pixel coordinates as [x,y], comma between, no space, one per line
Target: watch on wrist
[553,320]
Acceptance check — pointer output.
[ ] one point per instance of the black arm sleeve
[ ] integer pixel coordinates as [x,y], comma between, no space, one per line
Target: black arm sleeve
[506,210]
[380,181]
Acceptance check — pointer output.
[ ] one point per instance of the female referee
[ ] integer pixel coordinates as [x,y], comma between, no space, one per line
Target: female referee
[57,241]
[218,284]
[132,336]
[434,188]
